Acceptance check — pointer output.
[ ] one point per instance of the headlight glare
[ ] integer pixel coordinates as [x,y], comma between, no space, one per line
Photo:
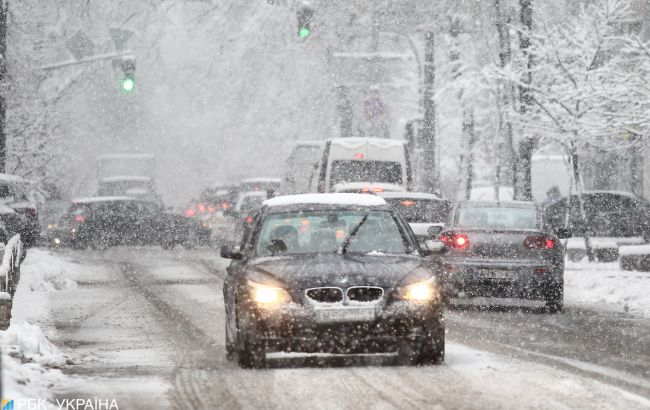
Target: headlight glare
[265,295]
[421,291]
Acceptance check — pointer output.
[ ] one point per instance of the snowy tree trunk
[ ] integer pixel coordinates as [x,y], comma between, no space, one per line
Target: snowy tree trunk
[468,129]
[3,86]
[577,178]
[504,89]
[523,190]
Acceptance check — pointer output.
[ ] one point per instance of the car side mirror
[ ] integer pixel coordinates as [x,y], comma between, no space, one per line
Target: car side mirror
[433,247]
[434,231]
[563,233]
[231,252]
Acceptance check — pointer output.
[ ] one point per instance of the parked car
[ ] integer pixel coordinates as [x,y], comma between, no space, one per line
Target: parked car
[608,214]
[101,222]
[12,222]
[335,273]
[421,210]
[503,250]
[15,193]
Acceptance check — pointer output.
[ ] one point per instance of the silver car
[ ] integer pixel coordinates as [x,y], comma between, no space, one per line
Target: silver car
[503,250]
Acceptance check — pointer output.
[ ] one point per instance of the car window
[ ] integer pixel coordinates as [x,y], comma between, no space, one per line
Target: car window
[370,171]
[421,210]
[325,231]
[6,191]
[497,217]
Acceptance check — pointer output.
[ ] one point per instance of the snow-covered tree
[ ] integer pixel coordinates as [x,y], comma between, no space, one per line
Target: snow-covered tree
[588,82]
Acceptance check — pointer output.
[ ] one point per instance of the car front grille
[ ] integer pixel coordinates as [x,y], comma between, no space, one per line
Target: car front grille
[364,293]
[325,295]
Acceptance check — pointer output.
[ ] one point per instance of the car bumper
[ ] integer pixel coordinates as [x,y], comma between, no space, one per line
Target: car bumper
[296,328]
[533,281]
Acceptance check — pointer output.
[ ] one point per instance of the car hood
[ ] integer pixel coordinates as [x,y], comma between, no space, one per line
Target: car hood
[337,270]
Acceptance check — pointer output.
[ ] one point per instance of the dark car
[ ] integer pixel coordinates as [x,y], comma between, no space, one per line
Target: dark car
[421,210]
[334,273]
[14,193]
[503,249]
[608,214]
[101,222]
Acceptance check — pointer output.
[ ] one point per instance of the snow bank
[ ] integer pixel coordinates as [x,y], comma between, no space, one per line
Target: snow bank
[603,286]
[29,363]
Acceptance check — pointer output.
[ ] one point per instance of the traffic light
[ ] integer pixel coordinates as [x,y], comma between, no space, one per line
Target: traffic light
[305,15]
[128,74]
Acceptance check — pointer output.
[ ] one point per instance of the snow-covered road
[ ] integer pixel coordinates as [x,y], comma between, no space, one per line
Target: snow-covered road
[145,327]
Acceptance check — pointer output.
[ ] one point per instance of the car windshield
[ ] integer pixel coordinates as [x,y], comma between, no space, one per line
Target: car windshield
[421,210]
[324,231]
[497,217]
[366,171]
[251,203]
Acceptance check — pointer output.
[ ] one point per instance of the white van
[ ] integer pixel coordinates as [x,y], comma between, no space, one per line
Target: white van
[300,166]
[367,160]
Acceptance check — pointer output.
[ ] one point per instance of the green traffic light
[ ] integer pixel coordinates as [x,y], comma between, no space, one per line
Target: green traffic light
[304,32]
[128,84]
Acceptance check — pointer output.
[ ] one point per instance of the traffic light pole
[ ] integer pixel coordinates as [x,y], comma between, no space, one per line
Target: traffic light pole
[428,142]
[3,78]
[86,60]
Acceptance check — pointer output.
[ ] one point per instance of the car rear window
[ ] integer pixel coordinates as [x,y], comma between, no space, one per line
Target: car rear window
[421,210]
[366,171]
[497,217]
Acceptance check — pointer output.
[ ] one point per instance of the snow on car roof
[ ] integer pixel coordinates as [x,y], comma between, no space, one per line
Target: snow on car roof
[118,178]
[126,156]
[101,199]
[497,203]
[4,210]
[309,143]
[355,142]
[409,195]
[370,185]
[11,178]
[253,194]
[326,199]
[260,179]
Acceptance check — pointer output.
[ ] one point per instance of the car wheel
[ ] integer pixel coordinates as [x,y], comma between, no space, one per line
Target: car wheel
[231,341]
[555,299]
[101,242]
[191,241]
[251,352]
[427,350]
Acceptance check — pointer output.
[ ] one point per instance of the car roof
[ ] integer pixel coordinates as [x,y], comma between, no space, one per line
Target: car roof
[118,178]
[361,200]
[11,178]
[354,142]
[408,195]
[261,179]
[96,199]
[492,204]
[249,194]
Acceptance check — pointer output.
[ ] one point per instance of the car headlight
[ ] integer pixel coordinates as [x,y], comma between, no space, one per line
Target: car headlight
[421,291]
[265,295]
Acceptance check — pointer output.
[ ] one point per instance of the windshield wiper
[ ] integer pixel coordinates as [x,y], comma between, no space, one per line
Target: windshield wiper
[348,239]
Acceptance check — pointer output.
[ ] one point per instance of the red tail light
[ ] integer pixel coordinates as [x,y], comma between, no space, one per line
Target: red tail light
[455,240]
[539,242]
[79,218]
[190,212]
[378,190]
[359,156]
[225,205]
[248,219]
[211,209]
[200,208]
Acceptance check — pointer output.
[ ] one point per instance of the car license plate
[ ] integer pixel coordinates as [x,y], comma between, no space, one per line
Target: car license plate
[494,274]
[345,315]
